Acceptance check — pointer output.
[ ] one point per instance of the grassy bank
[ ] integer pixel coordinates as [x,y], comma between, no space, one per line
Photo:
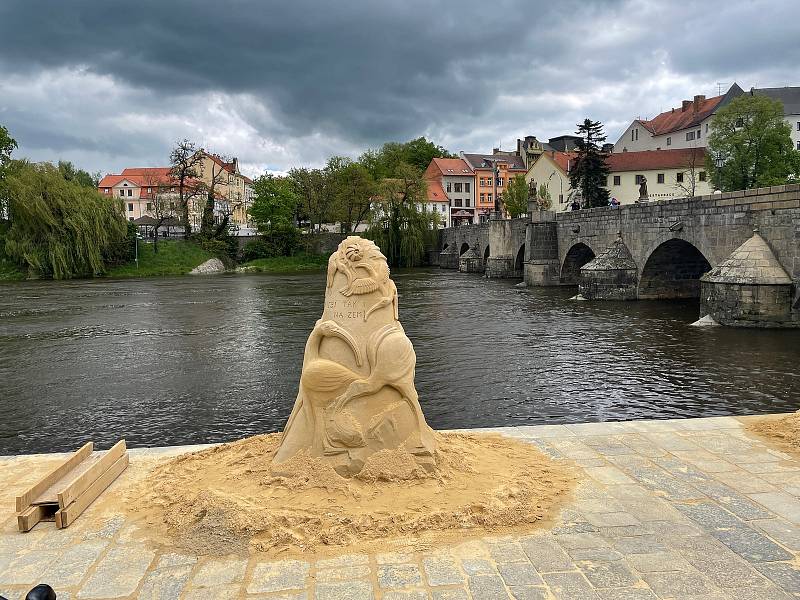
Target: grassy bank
[285,264]
[174,257]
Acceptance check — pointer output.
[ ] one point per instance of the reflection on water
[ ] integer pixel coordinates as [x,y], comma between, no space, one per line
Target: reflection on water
[190,360]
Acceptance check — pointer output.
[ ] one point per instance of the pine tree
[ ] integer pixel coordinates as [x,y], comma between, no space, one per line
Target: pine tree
[590,171]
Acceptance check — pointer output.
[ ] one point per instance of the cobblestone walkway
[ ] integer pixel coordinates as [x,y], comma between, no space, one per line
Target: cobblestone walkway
[683,509]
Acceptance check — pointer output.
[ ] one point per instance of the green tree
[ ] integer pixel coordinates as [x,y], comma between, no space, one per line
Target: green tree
[59,228]
[314,189]
[354,189]
[418,153]
[515,197]
[275,202]
[754,141]
[400,225]
[590,171]
[7,146]
[71,173]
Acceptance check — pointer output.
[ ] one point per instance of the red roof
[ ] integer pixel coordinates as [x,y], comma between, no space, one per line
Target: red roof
[649,160]
[689,114]
[453,166]
[435,191]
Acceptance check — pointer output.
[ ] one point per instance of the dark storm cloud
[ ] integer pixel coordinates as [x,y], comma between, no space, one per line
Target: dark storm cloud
[291,81]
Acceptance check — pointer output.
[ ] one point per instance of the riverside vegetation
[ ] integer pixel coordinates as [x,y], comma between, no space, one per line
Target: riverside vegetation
[54,224]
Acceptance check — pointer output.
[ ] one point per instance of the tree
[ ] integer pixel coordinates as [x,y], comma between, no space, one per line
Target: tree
[71,173]
[691,174]
[314,189]
[162,201]
[515,197]
[418,153]
[275,202]
[7,146]
[590,171]
[185,162]
[400,225]
[354,188]
[208,227]
[60,228]
[752,138]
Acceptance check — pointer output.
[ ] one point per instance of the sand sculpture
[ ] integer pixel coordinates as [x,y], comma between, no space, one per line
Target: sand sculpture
[357,394]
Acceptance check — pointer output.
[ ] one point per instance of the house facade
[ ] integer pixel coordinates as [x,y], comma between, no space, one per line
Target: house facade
[790,97]
[234,190]
[669,174]
[456,180]
[686,126]
[491,175]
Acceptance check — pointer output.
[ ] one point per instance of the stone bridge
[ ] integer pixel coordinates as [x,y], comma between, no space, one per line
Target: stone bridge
[654,250]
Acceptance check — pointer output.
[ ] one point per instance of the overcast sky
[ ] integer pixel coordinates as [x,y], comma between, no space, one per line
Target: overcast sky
[110,84]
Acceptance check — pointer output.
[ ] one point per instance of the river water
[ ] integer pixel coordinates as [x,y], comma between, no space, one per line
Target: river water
[190,360]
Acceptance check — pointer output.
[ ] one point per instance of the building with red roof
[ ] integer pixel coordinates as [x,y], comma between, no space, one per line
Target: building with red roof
[453,178]
[669,174]
[686,126]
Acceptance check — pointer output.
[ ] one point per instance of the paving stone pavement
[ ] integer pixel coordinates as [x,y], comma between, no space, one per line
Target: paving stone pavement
[672,510]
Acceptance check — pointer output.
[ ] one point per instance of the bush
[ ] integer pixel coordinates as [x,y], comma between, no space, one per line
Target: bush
[123,250]
[225,248]
[255,249]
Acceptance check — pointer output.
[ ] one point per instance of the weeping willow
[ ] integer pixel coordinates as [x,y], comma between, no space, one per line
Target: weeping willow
[400,228]
[59,228]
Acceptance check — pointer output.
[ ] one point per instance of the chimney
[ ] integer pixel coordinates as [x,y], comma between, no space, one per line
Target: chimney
[698,100]
[686,104]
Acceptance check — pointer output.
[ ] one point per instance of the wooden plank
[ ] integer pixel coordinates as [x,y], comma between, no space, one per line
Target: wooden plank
[25,499]
[82,481]
[30,517]
[65,516]
[50,495]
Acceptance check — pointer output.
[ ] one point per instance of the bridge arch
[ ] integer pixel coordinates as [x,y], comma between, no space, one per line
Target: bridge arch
[577,256]
[519,260]
[672,270]
[464,248]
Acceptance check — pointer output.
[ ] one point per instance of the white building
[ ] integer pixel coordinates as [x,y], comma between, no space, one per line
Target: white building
[670,174]
[455,178]
[790,96]
[687,126]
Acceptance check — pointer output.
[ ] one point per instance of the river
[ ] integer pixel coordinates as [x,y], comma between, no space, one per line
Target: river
[191,360]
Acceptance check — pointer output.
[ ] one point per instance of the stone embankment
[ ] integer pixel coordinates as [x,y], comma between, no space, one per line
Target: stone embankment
[666,509]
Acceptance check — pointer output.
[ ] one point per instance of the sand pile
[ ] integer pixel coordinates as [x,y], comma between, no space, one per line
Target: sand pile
[227,499]
[783,431]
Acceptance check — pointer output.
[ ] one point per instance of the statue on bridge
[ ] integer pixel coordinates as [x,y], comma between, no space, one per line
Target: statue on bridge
[643,197]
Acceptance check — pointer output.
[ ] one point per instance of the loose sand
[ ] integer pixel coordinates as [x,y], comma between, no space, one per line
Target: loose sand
[783,431]
[226,499]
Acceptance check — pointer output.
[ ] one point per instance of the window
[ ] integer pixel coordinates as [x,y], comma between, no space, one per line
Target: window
[489,198]
[669,141]
[500,181]
[457,187]
[701,176]
[466,187]
[637,134]
[149,190]
[798,126]
[617,179]
[149,206]
[458,202]
[466,202]
[706,127]
[679,178]
[561,198]
[638,180]
[130,193]
[130,206]
[483,198]
[698,134]
[632,135]
[121,193]
[489,181]
[449,186]
[660,178]
[689,136]
[798,144]
[483,181]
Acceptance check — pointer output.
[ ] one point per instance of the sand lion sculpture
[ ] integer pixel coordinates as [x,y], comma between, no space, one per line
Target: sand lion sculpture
[357,393]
